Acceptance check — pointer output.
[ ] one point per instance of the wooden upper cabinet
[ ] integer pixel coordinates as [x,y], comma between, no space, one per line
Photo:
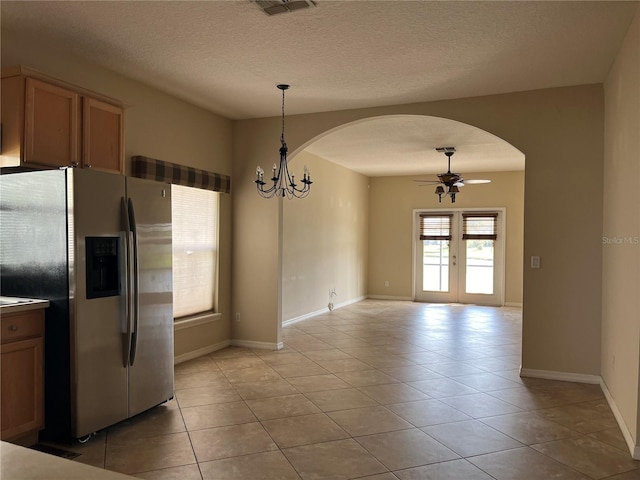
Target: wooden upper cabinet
[51,125]
[102,135]
[47,123]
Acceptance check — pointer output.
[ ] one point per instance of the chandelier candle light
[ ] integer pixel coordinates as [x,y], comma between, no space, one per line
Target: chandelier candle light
[284,184]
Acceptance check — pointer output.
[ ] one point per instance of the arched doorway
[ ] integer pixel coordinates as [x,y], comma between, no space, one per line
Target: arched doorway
[355,234]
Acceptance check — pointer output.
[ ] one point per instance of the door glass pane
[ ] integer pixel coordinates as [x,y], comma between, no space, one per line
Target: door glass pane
[479,270]
[435,270]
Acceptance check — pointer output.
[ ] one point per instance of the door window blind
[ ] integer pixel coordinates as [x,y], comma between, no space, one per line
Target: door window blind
[435,226]
[195,249]
[479,226]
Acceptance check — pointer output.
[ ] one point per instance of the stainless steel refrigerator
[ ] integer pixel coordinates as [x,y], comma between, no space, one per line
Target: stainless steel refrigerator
[98,247]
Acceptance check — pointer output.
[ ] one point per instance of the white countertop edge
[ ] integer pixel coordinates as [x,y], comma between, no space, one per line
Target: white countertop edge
[25,464]
[26,304]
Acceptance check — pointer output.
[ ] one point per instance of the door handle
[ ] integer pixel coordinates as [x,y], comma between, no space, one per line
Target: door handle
[135,281]
[127,249]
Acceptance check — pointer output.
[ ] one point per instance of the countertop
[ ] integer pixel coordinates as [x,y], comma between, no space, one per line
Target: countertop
[21,463]
[15,304]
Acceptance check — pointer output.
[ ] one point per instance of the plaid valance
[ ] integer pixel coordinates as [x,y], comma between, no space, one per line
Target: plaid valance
[152,169]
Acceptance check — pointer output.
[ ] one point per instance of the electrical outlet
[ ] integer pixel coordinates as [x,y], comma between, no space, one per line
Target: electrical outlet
[237,316]
[386,283]
[535,261]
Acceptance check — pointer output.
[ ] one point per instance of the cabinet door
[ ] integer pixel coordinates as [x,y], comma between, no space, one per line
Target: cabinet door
[22,392]
[51,125]
[102,136]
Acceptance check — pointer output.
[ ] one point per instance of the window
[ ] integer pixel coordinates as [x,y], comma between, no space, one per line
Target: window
[195,250]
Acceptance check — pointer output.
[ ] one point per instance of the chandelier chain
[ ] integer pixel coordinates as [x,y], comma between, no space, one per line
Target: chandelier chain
[282,134]
[284,184]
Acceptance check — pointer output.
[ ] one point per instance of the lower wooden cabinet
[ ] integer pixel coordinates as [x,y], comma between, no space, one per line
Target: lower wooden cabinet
[22,397]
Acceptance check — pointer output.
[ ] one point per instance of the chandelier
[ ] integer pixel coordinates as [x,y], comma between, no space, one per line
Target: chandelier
[284,184]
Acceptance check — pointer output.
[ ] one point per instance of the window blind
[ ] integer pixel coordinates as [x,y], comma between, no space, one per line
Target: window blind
[435,226]
[479,226]
[195,249]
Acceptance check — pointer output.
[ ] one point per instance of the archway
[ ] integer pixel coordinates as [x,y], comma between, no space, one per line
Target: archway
[353,234]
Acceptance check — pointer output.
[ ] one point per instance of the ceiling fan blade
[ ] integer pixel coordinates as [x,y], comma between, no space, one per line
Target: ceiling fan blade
[430,182]
[476,181]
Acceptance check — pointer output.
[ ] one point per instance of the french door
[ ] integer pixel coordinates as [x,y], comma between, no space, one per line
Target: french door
[459,256]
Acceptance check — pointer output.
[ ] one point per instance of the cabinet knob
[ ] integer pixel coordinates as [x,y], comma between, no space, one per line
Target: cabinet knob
[74,164]
[13,328]
[89,165]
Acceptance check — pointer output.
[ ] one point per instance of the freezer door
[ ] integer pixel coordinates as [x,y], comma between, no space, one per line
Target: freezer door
[98,323]
[151,359]
[33,264]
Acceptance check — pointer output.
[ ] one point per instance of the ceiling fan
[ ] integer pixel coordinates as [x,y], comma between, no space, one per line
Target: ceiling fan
[452,181]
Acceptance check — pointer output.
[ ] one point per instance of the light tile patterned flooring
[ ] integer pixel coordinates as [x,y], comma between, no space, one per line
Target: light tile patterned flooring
[378,390]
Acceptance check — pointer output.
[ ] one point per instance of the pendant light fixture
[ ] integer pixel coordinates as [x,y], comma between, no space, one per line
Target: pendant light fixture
[284,184]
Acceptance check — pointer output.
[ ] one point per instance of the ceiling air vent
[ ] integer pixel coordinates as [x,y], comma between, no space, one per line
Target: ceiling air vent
[274,7]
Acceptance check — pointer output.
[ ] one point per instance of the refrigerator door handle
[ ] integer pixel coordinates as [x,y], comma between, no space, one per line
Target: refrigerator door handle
[125,289]
[135,281]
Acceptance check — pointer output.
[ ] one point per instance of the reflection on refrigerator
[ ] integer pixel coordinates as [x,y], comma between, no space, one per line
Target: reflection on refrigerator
[98,247]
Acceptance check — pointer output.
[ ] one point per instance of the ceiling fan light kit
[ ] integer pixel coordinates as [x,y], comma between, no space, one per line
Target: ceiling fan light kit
[448,179]
[452,181]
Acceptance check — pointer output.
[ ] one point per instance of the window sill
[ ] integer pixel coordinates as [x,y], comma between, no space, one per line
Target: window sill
[194,320]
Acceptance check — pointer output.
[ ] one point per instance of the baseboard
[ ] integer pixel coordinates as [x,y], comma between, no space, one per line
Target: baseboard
[201,351]
[390,297]
[633,449]
[561,376]
[513,304]
[306,316]
[258,345]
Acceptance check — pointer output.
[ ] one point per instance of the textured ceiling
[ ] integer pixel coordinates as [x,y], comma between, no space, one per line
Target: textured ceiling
[405,145]
[227,56]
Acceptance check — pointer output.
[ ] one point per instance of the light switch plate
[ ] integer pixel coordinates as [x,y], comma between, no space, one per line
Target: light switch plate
[535,261]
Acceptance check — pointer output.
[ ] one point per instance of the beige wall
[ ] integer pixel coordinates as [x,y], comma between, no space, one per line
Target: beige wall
[393,200]
[621,232]
[257,246]
[156,125]
[324,239]
[560,132]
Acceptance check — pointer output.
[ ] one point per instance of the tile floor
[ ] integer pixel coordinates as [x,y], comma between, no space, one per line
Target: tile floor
[377,390]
